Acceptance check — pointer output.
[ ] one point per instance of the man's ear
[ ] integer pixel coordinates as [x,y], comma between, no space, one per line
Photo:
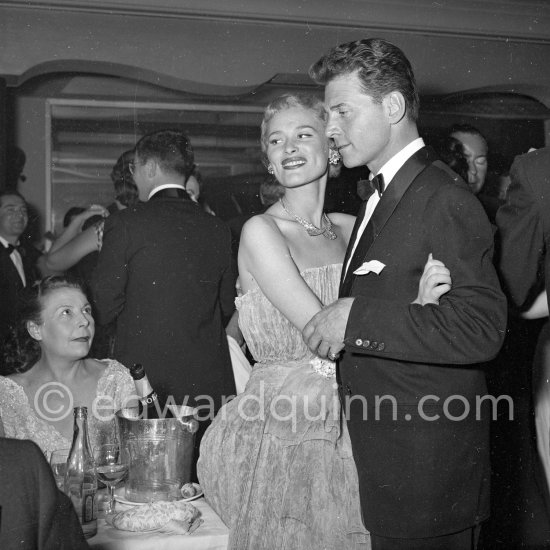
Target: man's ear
[395,105]
[34,330]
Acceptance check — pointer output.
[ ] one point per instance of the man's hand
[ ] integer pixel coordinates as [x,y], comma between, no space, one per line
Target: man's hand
[324,333]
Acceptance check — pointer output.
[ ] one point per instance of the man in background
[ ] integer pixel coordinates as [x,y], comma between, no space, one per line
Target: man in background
[17,259]
[165,273]
[476,150]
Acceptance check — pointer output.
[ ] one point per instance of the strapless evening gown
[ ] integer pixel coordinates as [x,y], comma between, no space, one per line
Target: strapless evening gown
[276,462]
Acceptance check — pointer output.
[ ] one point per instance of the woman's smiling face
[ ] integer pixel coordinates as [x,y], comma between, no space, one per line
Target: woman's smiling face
[297,147]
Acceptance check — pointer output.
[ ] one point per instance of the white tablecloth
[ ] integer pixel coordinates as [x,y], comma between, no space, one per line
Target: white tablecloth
[211,535]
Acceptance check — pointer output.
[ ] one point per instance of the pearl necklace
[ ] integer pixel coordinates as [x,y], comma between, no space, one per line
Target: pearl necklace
[312,230]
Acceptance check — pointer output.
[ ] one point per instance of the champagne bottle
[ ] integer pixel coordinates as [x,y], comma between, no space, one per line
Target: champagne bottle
[149,406]
[80,475]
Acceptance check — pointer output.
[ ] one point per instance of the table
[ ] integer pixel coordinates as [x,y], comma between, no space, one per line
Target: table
[211,535]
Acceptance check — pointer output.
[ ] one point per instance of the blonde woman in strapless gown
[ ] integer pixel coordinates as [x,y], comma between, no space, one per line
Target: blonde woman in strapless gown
[276,463]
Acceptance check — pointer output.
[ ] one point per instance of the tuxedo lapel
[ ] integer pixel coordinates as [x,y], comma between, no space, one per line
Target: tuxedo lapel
[360,252]
[399,185]
[8,267]
[358,221]
[383,211]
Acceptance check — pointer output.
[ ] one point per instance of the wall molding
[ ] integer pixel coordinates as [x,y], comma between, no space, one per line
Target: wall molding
[525,21]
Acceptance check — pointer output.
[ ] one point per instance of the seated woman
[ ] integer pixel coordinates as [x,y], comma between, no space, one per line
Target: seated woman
[48,371]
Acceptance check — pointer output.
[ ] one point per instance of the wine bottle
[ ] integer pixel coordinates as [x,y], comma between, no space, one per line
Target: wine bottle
[80,482]
[149,406]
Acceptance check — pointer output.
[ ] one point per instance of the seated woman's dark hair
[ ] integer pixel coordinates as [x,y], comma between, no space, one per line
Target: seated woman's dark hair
[20,351]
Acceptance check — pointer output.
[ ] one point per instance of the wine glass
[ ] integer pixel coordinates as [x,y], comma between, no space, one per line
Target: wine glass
[110,469]
[58,463]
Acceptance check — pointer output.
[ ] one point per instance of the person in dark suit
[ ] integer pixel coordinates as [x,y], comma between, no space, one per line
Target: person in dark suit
[523,225]
[34,513]
[409,375]
[17,259]
[524,237]
[165,273]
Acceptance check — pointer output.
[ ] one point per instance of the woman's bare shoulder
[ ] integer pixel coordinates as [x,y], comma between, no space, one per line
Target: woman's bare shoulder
[260,227]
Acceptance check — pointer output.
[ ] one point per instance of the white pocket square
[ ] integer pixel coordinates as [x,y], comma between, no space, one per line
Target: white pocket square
[367,267]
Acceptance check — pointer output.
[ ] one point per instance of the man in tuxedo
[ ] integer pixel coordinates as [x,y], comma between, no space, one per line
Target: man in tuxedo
[17,260]
[34,513]
[409,375]
[165,273]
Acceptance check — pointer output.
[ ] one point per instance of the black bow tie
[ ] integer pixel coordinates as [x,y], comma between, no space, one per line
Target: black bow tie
[10,248]
[377,184]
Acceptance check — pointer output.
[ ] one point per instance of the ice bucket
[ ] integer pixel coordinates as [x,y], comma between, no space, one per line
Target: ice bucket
[159,453]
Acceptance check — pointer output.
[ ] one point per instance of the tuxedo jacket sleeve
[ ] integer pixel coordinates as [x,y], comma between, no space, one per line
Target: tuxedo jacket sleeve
[35,514]
[110,278]
[439,216]
[524,228]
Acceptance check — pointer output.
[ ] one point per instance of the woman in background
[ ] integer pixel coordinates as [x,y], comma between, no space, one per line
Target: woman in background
[194,185]
[84,234]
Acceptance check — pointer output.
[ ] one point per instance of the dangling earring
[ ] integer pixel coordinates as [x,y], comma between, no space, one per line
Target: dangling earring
[334,156]
[270,170]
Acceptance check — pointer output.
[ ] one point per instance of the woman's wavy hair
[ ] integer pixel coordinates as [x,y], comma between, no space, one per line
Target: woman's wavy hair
[20,350]
[126,191]
[290,101]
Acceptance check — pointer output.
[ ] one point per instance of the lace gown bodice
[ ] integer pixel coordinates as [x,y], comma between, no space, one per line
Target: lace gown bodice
[271,337]
[20,420]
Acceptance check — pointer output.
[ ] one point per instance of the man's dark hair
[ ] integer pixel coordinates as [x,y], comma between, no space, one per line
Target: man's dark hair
[171,149]
[451,152]
[380,66]
[466,129]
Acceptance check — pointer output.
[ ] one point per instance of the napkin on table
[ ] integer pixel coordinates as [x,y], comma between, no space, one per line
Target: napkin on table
[176,517]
